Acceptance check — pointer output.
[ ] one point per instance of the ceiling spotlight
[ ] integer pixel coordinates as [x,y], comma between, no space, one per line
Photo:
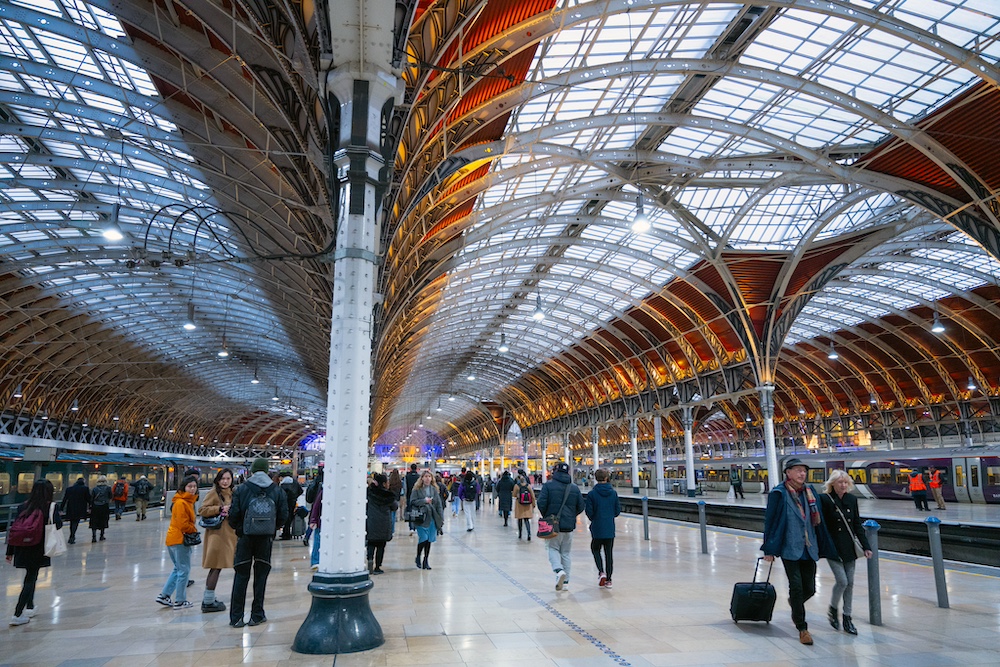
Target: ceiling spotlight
[45,415]
[832,354]
[255,380]
[451,397]
[972,385]
[75,406]
[275,397]
[111,231]
[937,327]
[538,315]
[873,399]
[503,349]
[640,223]
[145,425]
[224,352]
[189,324]
[115,418]
[18,393]
[802,410]
[471,377]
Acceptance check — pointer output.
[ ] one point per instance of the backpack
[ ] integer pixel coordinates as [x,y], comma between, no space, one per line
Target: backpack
[28,529]
[469,492]
[119,489]
[311,491]
[524,497]
[261,516]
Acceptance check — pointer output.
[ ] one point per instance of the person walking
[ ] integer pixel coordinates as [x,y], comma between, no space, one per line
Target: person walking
[119,494]
[141,495]
[75,502]
[918,491]
[427,497]
[561,497]
[174,593]
[220,542]
[505,495]
[315,521]
[410,483]
[100,508]
[488,484]
[259,508]
[396,487]
[792,530]
[602,506]
[736,479]
[382,503]
[468,491]
[292,490]
[843,522]
[453,496]
[32,558]
[524,502]
[936,484]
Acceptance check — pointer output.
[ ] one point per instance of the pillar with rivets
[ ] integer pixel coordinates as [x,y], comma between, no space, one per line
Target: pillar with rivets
[595,441]
[633,439]
[687,421]
[658,454]
[767,410]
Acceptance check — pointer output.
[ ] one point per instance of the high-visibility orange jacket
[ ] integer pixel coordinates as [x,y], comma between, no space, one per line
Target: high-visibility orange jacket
[936,479]
[917,483]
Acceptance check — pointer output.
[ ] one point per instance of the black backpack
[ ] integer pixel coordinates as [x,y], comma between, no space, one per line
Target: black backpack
[469,492]
[261,516]
[119,488]
[312,491]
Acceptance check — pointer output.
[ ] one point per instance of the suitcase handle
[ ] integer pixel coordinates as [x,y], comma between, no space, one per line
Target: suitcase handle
[768,580]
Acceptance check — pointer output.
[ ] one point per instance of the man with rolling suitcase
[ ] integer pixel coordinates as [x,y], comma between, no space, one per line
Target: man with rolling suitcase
[792,531]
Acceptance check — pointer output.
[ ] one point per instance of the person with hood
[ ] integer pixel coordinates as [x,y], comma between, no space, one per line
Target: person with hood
[292,490]
[427,497]
[174,593]
[32,558]
[505,497]
[524,503]
[602,506]
[468,491]
[255,520]
[560,496]
[141,495]
[75,502]
[100,508]
[793,529]
[378,520]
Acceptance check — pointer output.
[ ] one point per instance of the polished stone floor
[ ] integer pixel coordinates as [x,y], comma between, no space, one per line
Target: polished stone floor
[490,600]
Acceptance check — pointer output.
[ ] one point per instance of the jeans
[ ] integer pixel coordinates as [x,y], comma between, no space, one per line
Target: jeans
[314,556]
[843,572]
[801,586]
[455,505]
[595,548]
[252,551]
[558,549]
[176,586]
[469,507]
[920,500]
[27,596]
[119,508]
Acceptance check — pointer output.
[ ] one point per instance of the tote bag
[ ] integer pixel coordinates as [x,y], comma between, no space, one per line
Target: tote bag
[55,541]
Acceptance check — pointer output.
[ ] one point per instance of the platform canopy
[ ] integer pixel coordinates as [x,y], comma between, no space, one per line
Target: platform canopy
[819,182]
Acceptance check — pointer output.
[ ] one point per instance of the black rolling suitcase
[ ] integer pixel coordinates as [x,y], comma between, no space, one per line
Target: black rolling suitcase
[753,600]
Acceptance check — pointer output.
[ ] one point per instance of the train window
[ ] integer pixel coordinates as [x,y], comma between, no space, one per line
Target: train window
[878,475]
[817,475]
[4,483]
[959,475]
[24,481]
[57,481]
[992,477]
[974,475]
[860,475]
[92,479]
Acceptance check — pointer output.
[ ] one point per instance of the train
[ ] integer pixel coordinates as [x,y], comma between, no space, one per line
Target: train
[970,475]
[64,467]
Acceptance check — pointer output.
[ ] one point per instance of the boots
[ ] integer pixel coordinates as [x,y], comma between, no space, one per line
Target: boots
[426,566]
[849,626]
[371,566]
[832,615]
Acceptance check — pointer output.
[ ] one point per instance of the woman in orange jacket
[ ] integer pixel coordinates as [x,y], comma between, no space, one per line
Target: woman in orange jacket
[181,522]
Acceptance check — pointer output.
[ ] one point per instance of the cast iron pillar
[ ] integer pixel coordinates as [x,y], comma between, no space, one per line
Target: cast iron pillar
[633,439]
[658,454]
[687,421]
[767,410]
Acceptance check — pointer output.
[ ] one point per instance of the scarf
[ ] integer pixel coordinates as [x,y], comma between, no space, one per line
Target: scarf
[814,515]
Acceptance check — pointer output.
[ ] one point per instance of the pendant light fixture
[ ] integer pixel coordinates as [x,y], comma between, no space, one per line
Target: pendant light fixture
[471,377]
[538,315]
[255,379]
[503,349]
[110,230]
[18,393]
[189,324]
[224,352]
[937,327]
[640,223]
[75,407]
[972,384]
[275,397]
[832,354]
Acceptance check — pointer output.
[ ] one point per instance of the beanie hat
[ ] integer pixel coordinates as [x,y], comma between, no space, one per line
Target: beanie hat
[379,478]
[259,465]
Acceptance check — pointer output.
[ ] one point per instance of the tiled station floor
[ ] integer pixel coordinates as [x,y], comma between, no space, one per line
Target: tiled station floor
[490,600]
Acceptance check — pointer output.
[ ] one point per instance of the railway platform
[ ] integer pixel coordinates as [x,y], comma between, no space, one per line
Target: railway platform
[490,600]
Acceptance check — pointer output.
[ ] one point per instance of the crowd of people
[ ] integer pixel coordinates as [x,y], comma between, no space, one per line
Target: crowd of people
[240,523]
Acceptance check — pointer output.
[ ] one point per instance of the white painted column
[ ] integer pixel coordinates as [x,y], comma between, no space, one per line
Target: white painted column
[633,438]
[491,463]
[545,462]
[567,453]
[767,409]
[595,441]
[687,420]
[658,455]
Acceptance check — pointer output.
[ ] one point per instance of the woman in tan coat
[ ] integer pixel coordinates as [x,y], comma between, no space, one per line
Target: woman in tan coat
[524,503]
[220,543]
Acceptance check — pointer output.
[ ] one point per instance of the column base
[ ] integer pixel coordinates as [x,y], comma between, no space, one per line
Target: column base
[635,490]
[340,619]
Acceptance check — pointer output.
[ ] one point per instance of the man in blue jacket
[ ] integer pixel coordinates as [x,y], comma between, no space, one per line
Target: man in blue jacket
[792,531]
[561,496]
[602,507]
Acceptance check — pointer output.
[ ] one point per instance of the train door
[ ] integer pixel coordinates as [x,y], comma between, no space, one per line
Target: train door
[968,482]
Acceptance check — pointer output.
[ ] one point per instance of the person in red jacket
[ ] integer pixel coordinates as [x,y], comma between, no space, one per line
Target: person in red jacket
[119,494]
[181,522]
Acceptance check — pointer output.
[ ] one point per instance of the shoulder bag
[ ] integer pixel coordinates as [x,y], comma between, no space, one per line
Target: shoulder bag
[192,539]
[859,551]
[55,541]
[548,525]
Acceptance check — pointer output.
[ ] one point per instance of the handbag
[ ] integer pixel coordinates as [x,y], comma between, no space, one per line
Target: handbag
[211,522]
[55,541]
[414,514]
[859,551]
[192,539]
[548,525]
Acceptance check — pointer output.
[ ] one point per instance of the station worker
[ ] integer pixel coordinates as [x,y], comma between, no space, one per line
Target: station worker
[936,484]
[918,491]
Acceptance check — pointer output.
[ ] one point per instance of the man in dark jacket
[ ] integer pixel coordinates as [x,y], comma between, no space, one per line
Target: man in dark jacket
[602,507]
[141,494]
[505,501]
[561,496]
[378,520]
[411,481]
[292,490]
[75,503]
[253,551]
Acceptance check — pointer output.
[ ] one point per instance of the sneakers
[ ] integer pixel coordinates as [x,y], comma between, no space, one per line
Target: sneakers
[183,605]
[314,568]
[805,637]
[603,580]
[607,584]
[560,580]
[210,607]
[19,620]
[164,600]
[29,612]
